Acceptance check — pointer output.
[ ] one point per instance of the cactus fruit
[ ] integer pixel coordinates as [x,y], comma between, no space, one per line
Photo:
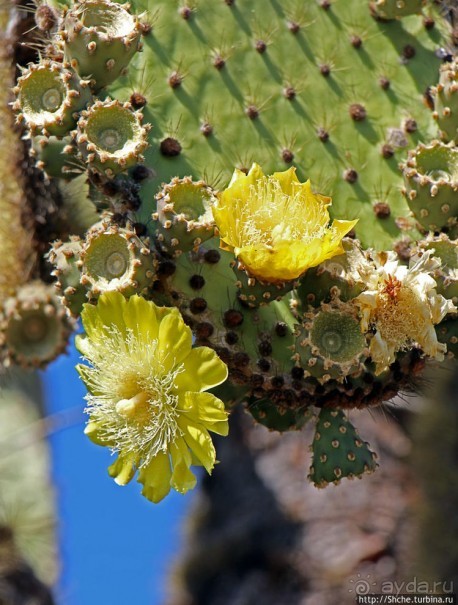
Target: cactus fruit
[110,137]
[394,9]
[330,343]
[338,451]
[100,39]
[113,258]
[48,96]
[431,179]
[445,96]
[34,328]
[183,210]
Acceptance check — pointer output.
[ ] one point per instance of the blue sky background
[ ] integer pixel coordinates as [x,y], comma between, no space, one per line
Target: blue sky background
[115,546]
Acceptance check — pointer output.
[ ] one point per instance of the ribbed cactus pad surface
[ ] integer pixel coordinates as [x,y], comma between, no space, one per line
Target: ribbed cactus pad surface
[332,91]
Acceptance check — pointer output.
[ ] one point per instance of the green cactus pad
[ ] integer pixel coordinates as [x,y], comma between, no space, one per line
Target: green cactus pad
[34,328]
[100,38]
[447,332]
[431,178]
[445,96]
[338,451]
[279,417]
[48,95]
[110,137]
[395,9]
[115,259]
[312,99]
[183,219]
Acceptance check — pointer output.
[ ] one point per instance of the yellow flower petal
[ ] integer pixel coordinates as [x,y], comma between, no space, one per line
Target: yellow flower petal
[95,434]
[200,443]
[205,409]
[175,340]
[141,317]
[108,312]
[182,478]
[287,179]
[202,370]
[155,478]
[123,469]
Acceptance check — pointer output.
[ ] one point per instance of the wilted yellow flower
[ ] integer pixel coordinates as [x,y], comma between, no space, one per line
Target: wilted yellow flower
[402,306]
[146,399]
[275,225]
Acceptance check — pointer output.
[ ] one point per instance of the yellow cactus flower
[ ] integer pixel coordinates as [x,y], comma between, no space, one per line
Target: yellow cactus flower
[146,400]
[275,225]
[402,306]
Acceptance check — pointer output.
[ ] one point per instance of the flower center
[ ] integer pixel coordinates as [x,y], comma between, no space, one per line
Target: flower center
[271,216]
[134,409]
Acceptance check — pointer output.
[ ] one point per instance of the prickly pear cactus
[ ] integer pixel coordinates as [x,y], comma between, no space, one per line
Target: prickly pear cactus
[316,279]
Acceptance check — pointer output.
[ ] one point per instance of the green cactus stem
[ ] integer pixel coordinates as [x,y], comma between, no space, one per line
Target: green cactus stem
[34,328]
[445,96]
[338,451]
[431,185]
[111,137]
[48,95]
[113,258]
[183,218]
[100,38]
[395,9]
